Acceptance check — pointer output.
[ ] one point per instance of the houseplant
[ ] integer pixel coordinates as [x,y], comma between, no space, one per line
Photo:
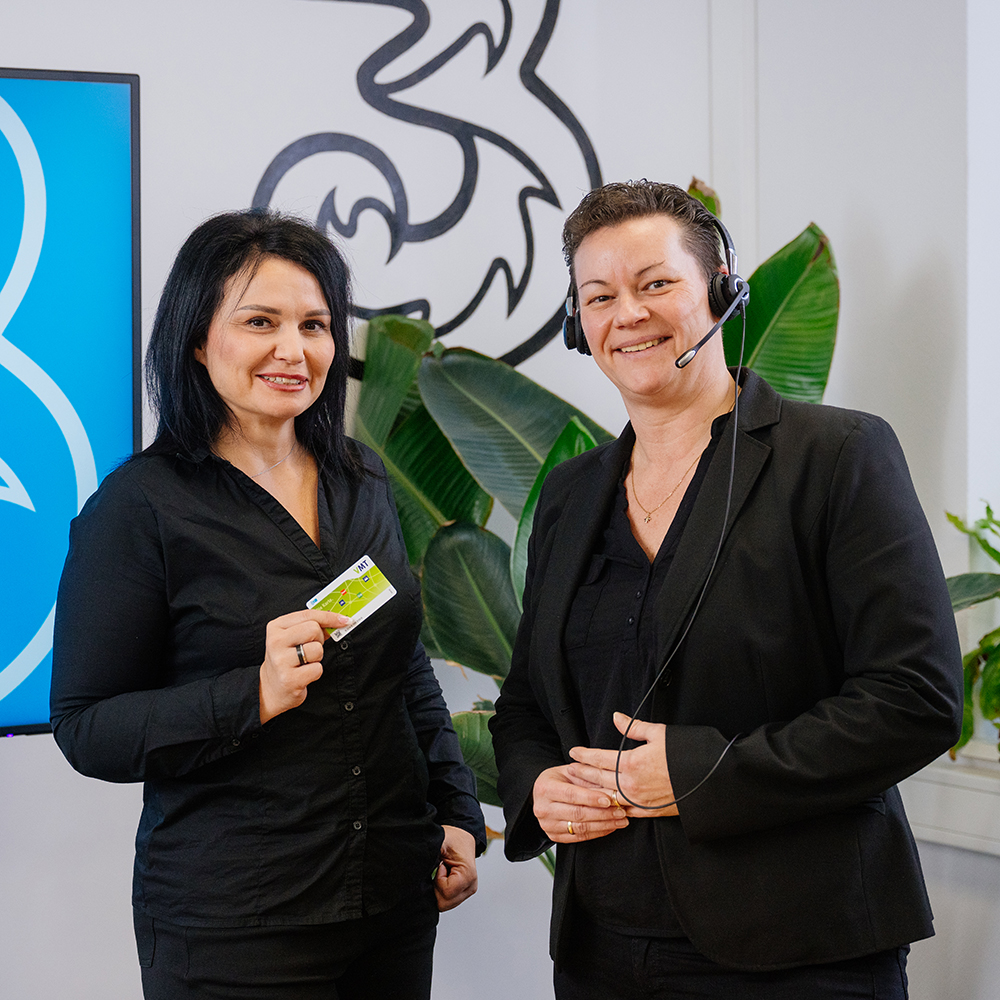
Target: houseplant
[981,665]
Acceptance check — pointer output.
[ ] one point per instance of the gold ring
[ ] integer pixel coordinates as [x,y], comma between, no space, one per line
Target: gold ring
[301,655]
[569,827]
[614,799]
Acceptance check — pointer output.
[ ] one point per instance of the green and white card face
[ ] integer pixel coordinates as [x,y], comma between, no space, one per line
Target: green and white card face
[358,593]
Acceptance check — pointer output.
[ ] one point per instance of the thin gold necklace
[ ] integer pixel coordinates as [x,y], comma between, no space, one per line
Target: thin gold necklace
[650,513]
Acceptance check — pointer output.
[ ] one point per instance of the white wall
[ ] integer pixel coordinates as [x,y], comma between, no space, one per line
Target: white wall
[848,113]
[862,128]
[983,212]
[960,962]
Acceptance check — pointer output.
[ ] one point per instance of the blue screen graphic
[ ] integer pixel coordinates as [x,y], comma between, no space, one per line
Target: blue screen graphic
[66,346]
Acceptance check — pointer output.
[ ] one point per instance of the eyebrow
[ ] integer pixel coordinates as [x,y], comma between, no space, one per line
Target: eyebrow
[277,312]
[638,274]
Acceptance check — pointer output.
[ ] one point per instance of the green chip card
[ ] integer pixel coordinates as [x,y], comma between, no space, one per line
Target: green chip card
[358,593]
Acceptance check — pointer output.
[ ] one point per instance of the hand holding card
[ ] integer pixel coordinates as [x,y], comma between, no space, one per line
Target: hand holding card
[293,658]
[295,641]
[358,592]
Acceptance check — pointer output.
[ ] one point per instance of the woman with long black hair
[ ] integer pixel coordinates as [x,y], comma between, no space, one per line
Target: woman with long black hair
[306,809]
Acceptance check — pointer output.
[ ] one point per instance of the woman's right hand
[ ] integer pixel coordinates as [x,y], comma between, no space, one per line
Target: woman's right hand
[283,679]
[569,812]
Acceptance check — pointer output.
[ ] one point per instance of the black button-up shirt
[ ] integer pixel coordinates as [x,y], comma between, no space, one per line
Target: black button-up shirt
[609,641]
[328,812]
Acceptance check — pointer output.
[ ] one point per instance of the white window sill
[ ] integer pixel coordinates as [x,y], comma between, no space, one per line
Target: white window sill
[957,802]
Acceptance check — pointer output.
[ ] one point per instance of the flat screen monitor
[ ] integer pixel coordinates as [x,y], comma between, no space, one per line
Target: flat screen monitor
[69,342]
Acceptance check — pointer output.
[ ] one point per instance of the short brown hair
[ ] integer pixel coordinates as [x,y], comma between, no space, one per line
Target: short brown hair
[619,202]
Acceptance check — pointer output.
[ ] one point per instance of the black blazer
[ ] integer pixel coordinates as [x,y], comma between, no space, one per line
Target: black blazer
[825,638]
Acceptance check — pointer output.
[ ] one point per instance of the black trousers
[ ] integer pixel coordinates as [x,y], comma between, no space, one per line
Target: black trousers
[385,957]
[604,965]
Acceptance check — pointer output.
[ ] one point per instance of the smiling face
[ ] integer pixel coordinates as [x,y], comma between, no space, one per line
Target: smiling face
[269,346]
[643,302]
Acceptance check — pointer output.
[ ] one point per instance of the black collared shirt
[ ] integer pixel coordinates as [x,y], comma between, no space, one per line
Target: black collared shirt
[328,812]
[610,643]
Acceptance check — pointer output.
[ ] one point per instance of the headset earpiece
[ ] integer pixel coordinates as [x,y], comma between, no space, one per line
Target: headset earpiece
[727,293]
[723,291]
[573,335]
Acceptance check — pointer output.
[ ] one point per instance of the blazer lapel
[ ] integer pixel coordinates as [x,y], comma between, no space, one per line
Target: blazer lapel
[759,406]
[577,533]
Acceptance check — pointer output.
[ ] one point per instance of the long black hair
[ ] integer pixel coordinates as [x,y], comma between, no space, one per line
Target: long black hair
[191,412]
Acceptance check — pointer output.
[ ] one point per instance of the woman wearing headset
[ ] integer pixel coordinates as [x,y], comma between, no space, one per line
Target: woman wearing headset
[749,841]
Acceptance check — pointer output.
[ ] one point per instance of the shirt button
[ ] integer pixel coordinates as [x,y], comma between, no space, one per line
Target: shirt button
[638,594]
[349,706]
[630,620]
[357,824]
[344,644]
[236,743]
[355,770]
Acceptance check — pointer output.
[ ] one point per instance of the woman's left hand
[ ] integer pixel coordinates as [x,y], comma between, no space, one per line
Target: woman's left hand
[456,878]
[642,771]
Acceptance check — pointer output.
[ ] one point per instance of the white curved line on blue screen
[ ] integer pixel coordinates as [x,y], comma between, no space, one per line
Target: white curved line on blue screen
[27,371]
[13,490]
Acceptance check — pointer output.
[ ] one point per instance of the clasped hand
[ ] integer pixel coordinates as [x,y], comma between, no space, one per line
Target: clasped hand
[283,678]
[456,879]
[579,801]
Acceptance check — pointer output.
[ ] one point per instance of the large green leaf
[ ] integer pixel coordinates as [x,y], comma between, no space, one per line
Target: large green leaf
[477,749]
[989,693]
[468,599]
[792,318]
[970,674]
[392,357]
[411,403]
[983,661]
[967,589]
[574,440]
[500,422]
[429,482]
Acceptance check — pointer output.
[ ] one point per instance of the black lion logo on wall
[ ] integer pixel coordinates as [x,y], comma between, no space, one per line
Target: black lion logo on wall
[422,54]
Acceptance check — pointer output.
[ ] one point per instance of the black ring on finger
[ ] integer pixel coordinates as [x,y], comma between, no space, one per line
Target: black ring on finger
[301,655]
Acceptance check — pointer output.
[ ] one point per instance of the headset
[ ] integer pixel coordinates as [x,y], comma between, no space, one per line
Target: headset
[726,294]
